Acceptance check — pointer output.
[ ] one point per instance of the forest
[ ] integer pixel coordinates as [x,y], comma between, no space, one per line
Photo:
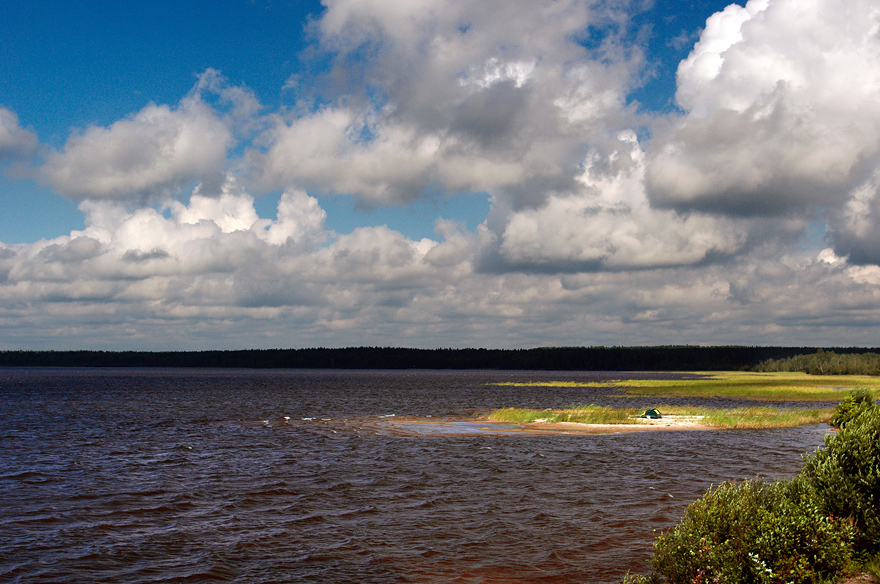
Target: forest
[655,358]
[824,362]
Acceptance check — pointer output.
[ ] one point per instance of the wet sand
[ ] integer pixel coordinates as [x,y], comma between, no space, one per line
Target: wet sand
[666,423]
[470,426]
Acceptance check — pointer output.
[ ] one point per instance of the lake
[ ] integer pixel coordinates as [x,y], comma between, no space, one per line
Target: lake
[160,475]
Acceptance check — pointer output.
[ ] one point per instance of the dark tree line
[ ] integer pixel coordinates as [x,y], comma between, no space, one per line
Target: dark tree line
[660,358]
[826,363]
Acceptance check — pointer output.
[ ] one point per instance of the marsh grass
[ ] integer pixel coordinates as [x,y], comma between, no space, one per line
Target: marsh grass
[754,418]
[591,414]
[522,415]
[754,386]
[743,418]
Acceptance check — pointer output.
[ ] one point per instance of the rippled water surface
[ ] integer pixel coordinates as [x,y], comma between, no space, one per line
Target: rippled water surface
[196,475]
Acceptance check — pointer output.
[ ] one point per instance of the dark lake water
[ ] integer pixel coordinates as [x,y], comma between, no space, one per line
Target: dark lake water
[196,476]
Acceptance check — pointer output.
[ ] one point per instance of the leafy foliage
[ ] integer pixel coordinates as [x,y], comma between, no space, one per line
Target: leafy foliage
[753,532]
[851,406]
[641,579]
[846,475]
[808,529]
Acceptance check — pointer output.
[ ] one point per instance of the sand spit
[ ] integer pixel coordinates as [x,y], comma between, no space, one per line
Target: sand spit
[392,425]
[666,423]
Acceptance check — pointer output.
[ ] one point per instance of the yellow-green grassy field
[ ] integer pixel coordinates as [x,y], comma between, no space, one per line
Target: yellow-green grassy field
[752,418]
[753,386]
[779,387]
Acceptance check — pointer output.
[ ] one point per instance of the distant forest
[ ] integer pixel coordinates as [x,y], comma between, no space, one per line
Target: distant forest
[826,363]
[660,358]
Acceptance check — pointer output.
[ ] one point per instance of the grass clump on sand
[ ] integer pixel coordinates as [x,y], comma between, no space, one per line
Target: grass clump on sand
[765,417]
[821,526]
[755,386]
[522,415]
[590,414]
[755,418]
[593,414]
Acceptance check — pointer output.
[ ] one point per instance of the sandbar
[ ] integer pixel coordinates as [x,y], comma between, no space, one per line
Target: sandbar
[414,425]
[393,425]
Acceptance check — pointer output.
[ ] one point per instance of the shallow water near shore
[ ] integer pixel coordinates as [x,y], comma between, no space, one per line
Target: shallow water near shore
[292,476]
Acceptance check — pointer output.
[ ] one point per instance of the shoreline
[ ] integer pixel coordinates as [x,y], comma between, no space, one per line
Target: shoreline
[665,424]
[417,426]
[464,425]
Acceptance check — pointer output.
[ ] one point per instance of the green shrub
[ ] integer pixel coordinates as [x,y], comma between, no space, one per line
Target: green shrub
[871,565]
[851,406]
[711,541]
[846,475]
[641,579]
[796,541]
[753,532]
[809,529]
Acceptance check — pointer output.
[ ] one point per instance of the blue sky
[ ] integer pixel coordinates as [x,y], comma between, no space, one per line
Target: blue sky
[69,66]
[497,173]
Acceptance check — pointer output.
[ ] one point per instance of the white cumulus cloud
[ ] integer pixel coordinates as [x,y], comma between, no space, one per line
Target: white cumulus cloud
[606,226]
[608,223]
[470,96]
[781,110]
[152,153]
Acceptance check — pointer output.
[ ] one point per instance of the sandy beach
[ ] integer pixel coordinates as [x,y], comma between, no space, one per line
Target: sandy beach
[425,425]
[665,423]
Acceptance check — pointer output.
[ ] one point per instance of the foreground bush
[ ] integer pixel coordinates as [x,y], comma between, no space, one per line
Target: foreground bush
[754,532]
[809,529]
[852,405]
[846,475]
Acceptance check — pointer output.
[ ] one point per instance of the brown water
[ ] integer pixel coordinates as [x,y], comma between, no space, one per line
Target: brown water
[196,475]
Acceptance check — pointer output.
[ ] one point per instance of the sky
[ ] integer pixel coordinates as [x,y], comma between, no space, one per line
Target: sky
[243,174]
